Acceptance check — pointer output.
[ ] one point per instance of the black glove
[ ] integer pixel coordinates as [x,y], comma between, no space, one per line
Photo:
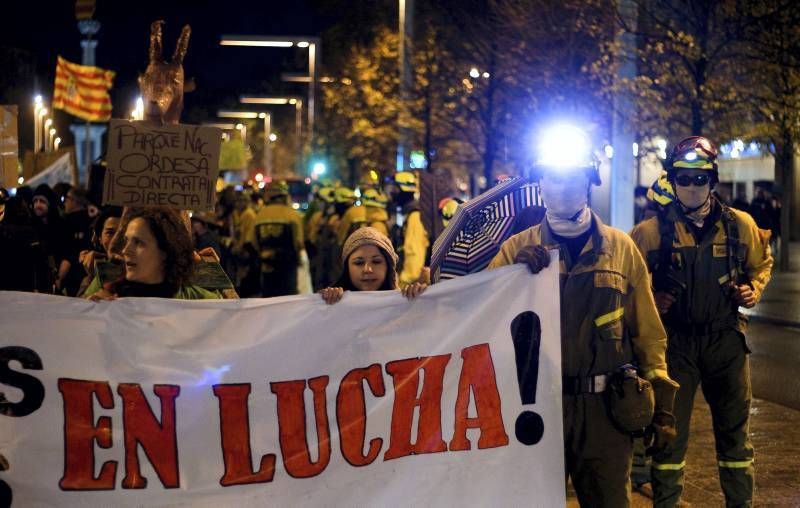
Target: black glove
[535,256]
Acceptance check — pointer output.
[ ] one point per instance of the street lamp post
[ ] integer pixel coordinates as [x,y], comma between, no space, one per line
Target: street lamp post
[56,143]
[37,106]
[314,46]
[267,118]
[50,138]
[39,127]
[280,100]
[267,147]
[45,135]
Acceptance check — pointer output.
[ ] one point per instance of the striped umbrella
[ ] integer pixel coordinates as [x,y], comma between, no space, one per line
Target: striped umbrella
[474,234]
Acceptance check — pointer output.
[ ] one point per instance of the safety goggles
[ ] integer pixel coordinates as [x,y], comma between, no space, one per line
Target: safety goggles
[697,180]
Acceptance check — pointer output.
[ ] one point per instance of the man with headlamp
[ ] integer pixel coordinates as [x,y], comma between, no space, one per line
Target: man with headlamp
[707,260]
[609,323]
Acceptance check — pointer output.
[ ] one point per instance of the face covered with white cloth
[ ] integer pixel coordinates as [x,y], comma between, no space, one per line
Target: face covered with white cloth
[565,193]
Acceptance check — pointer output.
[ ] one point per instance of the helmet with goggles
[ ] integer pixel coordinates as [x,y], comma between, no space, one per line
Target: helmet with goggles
[694,152]
[406,181]
[374,197]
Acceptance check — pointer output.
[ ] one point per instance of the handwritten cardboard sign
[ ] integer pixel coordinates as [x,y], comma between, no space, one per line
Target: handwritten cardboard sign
[171,165]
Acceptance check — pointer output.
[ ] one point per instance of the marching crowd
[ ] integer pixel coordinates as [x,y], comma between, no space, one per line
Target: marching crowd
[647,317]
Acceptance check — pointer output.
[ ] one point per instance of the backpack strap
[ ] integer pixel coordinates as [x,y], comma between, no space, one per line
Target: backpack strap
[735,253]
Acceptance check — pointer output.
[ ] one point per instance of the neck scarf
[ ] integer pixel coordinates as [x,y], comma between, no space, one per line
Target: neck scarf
[571,227]
[698,216]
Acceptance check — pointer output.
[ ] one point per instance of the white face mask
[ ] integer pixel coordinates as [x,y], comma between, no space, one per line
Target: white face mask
[565,196]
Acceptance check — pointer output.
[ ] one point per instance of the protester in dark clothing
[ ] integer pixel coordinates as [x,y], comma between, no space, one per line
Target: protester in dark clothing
[25,193]
[103,230]
[740,203]
[51,231]
[23,263]
[79,229]
[205,233]
[761,210]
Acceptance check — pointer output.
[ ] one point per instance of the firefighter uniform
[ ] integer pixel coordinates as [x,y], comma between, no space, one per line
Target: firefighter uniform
[608,319]
[354,218]
[414,250]
[278,234]
[707,346]
[375,203]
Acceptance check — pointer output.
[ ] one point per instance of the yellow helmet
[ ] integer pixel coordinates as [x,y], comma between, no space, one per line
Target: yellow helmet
[447,208]
[277,189]
[374,197]
[344,195]
[326,194]
[661,191]
[406,180]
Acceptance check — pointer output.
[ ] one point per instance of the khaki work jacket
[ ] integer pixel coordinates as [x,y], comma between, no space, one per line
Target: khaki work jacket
[608,316]
[705,268]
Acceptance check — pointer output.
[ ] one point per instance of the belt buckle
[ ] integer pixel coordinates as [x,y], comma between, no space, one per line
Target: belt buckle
[598,383]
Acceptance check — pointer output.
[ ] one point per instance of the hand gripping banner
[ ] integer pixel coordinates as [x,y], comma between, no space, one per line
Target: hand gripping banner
[451,399]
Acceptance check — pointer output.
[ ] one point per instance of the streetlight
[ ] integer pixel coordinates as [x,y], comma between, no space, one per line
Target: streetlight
[242,128]
[281,100]
[52,133]
[56,143]
[37,105]
[314,46]
[267,136]
[267,155]
[40,137]
[137,113]
[45,133]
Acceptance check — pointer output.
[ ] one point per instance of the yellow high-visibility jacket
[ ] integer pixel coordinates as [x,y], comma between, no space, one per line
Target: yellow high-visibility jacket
[353,215]
[281,212]
[415,248]
[378,218]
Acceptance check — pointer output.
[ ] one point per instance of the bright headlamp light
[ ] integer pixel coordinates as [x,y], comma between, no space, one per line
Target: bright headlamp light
[564,146]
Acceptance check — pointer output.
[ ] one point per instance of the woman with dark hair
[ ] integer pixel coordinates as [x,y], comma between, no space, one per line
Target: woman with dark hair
[369,264]
[158,258]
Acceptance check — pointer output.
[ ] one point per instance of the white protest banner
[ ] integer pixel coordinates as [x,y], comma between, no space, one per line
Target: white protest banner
[373,401]
[62,170]
[170,165]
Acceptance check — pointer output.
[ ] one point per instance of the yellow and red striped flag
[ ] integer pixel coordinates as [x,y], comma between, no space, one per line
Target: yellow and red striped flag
[82,91]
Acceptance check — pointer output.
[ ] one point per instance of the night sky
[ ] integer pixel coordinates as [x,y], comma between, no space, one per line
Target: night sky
[44,30]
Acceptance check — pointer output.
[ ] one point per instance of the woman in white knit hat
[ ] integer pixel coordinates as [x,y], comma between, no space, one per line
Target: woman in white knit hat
[369,264]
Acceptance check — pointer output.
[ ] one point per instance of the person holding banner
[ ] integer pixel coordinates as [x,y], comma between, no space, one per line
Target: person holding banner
[158,258]
[609,323]
[369,264]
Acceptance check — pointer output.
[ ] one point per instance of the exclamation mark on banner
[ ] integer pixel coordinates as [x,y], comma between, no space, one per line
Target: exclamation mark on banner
[526,332]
